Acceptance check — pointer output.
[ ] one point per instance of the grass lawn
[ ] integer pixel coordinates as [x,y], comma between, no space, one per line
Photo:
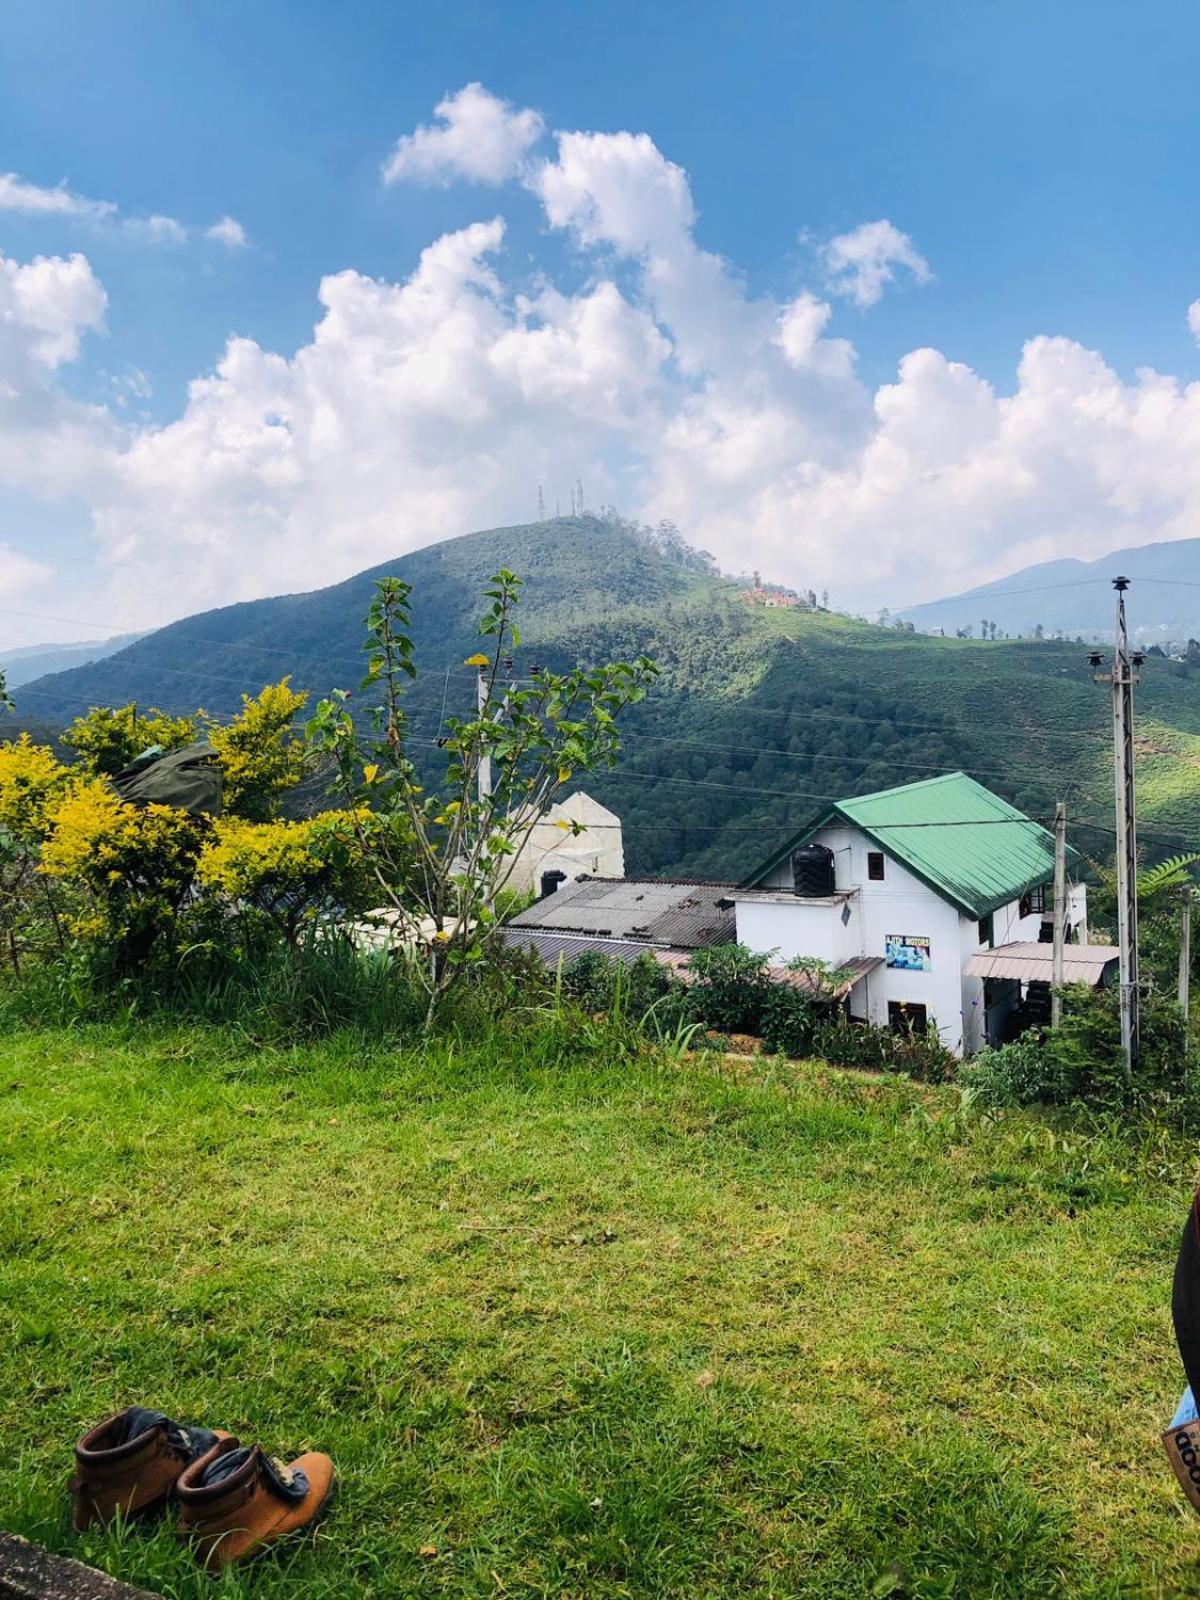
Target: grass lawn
[577,1327]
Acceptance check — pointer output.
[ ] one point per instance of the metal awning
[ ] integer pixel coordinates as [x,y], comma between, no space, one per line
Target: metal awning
[1033,963]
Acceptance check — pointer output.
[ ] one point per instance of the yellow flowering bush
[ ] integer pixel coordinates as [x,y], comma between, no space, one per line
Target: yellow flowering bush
[261,755]
[31,780]
[132,866]
[285,870]
[108,738]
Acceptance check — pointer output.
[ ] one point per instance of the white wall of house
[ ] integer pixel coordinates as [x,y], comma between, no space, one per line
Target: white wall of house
[898,907]
[597,852]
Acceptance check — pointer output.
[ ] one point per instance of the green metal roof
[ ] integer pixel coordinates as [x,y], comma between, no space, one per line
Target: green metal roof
[963,841]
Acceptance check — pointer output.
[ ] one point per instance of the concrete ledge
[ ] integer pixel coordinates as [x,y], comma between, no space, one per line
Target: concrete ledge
[27,1572]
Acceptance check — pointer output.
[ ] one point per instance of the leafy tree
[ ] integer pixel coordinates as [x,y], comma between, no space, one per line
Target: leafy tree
[444,857]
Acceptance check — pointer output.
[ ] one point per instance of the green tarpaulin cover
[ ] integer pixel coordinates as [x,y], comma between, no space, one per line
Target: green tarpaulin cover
[189,779]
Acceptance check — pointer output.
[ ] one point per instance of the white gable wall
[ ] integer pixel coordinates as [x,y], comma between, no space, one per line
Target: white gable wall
[902,905]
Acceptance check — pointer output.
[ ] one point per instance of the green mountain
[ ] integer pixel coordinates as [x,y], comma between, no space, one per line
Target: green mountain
[759,715]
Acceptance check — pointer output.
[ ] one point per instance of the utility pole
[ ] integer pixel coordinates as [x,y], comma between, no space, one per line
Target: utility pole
[1185,951]
[1060,912]
[482,697]
[1123,676]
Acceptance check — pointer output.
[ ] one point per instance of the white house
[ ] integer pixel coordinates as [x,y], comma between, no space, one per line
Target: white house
[937,892]
[596,852]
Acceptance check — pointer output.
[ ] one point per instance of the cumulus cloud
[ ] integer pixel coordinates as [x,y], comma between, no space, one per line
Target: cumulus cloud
[228,232]
[864,261]
[428,406]
[477,136]
[50,443]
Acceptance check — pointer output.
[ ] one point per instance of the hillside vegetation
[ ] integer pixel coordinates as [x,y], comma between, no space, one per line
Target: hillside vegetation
[576,1323]
[759,716]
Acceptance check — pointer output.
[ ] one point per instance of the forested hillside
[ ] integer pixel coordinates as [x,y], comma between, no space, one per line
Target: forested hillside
[758,718]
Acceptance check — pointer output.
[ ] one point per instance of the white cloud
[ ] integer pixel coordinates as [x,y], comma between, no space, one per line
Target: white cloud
[478,137]
[863,262]
[29,199]
[156,229]
[1193,317]
[229,232]
[433,405]
[50,443]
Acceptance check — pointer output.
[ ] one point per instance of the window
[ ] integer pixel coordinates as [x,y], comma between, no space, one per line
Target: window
[875,865]
[1034,903]
[905,1017]
[985,930]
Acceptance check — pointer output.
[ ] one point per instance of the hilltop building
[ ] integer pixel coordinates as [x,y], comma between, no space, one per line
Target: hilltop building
[937,895]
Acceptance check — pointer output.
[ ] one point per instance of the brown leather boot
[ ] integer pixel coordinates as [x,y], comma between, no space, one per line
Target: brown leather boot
[130,1463]
[234,1501]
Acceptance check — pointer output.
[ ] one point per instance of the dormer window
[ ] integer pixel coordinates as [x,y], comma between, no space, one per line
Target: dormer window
[875,869]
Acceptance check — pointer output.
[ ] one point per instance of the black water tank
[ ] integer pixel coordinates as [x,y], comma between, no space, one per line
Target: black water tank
[812,871]
[550,883]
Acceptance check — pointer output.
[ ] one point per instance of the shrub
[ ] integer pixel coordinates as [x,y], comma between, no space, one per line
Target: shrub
[283,873]
[262,756]
[1021,1073]
[789,1018]
[132,868]
[859,1044]
[107,739]
[730,988]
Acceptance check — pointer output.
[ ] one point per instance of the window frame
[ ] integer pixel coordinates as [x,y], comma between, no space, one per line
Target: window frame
[911,1013]
[876,858]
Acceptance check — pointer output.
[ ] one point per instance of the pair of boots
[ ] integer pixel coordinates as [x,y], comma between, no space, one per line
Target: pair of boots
[233,1500]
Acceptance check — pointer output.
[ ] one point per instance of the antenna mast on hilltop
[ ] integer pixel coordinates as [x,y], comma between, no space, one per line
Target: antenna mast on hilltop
[541,505]
[579,488]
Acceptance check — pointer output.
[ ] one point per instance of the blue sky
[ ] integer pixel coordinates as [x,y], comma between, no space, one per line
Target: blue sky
[1040,160]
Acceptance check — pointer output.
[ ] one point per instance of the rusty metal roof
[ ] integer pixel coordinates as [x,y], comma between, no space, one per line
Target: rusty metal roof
[683,915]
[568,947]
[1033,963]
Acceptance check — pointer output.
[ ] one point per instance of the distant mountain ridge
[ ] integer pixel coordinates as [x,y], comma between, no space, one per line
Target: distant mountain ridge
[26,663]
[1075,597]
[759,717]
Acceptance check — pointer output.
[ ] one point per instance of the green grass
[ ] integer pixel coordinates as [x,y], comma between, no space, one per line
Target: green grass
[579,1327]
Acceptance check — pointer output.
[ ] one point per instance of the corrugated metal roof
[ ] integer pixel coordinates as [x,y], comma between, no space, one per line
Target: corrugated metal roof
[567,947]
[684,915]
[965,842]
[1033,963]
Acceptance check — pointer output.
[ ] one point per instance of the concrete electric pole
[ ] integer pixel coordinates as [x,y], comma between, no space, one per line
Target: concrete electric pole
[1185,951]
[482,698]
[1060,913]
[1123,676]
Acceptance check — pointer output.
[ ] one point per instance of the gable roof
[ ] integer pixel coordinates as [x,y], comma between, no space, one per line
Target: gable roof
[962,841]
